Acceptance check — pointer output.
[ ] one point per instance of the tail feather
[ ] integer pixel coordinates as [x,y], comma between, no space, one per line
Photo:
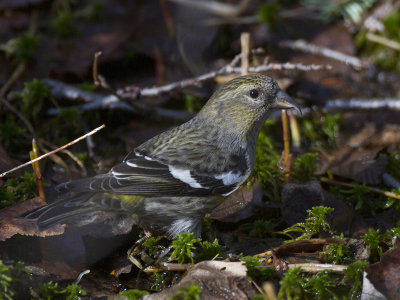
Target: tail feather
[78,209]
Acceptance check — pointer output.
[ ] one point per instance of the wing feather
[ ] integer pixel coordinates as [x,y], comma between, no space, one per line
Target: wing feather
[144,176]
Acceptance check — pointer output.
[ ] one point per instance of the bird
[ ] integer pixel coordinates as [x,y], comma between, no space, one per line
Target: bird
[170,182]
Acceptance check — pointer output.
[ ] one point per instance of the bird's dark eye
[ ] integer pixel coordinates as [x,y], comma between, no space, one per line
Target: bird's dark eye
[254,94]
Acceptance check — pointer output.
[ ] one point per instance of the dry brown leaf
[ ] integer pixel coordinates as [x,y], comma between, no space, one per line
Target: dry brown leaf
[11,225]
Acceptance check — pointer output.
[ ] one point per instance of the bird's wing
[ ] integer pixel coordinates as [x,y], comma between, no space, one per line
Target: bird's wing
[145,176]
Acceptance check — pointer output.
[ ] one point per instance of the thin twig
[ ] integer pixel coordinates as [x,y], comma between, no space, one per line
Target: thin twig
[286,143]
[315,268]
[54,151]
[19,70]
[24,120]
[66,152]
[97,101]
[346,104]
[383,41]
[315,49]
[135,92]
[216,7]
[245,51]
[352,185]
[258,287]
[95,68]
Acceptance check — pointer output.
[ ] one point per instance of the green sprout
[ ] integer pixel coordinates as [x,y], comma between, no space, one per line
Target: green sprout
[315,224]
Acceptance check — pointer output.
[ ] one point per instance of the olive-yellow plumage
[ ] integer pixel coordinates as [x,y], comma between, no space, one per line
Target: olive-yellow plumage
[171,181]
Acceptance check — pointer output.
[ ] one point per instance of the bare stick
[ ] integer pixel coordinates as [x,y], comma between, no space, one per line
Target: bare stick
[54,151]
[135,92]
[19,115]
[314,49]
[216,7]
[352,185]
[315,268]
[95,68]
[14,76]
[286,143]
[383,41]
[245,47]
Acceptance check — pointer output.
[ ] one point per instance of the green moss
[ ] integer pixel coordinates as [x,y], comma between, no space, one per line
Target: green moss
[373,238]
[65,127]
[393,165]
[184,248]
[52,290]
[291,285]
[354,276]
[266,168]
[383,56]
[392,25]
[337,254]
[362,200]
[258,229]
[14,281]
[314,225]
[18,189]
[34,96]
[21,49]
[321,131]
[161,280]
[11,136]
[209,250]
[154,245]
[351,10]
[269,13]
[304,167]
[189,292]
[134,294]
[64,25]
[257,273]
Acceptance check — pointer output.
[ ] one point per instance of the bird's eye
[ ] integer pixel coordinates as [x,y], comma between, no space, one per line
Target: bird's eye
[254,94]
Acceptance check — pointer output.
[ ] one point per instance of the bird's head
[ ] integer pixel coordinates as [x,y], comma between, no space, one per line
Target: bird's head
[244,102]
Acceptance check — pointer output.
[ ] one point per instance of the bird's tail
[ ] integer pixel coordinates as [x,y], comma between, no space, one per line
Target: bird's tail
[78,209]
